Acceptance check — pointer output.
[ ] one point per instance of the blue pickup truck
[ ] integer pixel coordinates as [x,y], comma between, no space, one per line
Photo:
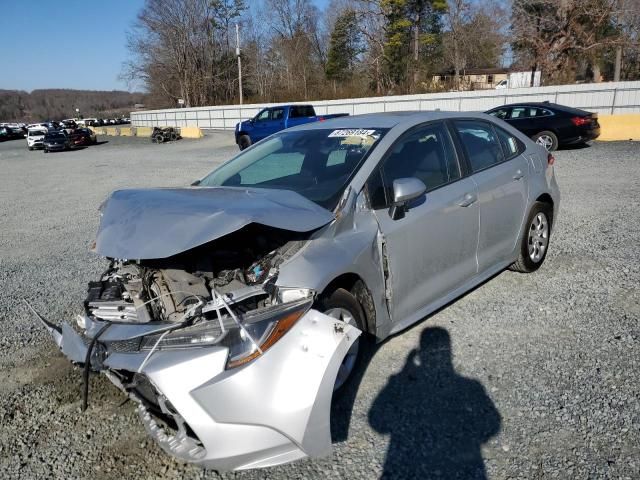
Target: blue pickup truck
[273,119]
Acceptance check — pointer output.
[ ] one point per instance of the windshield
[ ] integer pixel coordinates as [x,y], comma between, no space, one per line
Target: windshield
[317,164]
[37,133]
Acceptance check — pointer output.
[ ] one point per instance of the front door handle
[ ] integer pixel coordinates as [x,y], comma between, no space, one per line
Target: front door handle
[468,199]
[518,175]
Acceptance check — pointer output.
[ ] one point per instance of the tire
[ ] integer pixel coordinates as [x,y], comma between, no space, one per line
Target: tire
[341,304]
[547,139]
[30,149]
[244,142]
[534,244]
[46,151]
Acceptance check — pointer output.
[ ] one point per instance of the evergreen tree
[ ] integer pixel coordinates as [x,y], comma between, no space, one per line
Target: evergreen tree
[344,47]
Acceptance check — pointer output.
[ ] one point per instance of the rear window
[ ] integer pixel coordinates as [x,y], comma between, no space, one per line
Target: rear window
[299,111]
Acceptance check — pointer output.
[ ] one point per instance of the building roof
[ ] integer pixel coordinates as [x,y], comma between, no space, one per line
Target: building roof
[475,71]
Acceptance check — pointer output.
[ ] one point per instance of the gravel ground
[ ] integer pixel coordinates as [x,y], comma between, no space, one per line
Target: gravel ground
[528,376]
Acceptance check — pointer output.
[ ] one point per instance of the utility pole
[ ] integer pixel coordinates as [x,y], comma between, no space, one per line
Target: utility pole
[618,67]
[239,61]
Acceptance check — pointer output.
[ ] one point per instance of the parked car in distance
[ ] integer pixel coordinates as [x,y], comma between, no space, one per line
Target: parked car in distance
[69,124]
[57,141]
[273,119]
[84,137]
[37,126]
[11,133]
[549,124]
[52,125]
[35,137]
[253,293]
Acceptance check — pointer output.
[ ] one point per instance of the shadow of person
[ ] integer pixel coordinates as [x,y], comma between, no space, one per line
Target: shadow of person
[437,419]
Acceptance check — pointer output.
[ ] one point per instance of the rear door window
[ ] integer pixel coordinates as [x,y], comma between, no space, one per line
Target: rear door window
[301,111]
[511,146]
[520,112]
[480,143]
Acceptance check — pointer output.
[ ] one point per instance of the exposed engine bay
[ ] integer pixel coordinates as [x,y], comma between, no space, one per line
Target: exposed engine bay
[238,270]
[220,293]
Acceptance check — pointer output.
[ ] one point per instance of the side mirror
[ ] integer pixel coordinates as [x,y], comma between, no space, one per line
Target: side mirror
[405,190]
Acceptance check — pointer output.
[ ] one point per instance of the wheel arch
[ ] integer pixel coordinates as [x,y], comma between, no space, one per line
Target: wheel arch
[353,283]
[546,198]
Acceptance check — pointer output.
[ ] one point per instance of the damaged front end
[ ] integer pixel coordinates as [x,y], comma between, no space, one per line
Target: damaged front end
[230,370]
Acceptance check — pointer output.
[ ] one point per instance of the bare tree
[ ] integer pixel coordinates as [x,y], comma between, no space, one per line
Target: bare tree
[555,34]
[473,36]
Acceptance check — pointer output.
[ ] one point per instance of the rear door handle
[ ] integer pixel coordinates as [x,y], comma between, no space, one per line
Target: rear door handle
[518,175]
[468,199]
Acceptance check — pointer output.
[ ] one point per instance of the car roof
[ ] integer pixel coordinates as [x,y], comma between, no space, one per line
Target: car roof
[549,105]
[387,119]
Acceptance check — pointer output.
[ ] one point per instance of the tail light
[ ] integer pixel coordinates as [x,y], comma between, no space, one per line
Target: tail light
[580,121]
[550,159]
[321,119]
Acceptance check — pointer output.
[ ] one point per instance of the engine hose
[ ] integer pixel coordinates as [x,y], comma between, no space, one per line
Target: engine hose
[87,367]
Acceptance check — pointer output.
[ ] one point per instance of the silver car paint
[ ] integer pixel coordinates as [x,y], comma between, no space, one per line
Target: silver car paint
[242,415]
[345,246]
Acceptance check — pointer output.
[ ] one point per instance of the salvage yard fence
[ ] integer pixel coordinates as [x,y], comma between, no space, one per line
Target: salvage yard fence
[605,98]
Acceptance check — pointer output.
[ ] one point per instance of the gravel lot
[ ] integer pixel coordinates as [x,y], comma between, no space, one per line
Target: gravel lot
[528,376]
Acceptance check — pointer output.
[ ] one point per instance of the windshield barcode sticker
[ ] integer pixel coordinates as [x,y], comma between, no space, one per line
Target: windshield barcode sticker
[358,132]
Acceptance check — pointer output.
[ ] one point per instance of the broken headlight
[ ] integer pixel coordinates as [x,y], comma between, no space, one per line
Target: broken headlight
[256,332]
[261,330]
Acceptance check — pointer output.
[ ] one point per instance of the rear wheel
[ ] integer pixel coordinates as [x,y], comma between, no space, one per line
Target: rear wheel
[342,305]
[547,139]
[244,142]
[535,241]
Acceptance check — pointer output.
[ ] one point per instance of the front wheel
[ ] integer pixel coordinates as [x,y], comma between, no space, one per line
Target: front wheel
[547,139]
[342,305]
[244,142]
[535,240]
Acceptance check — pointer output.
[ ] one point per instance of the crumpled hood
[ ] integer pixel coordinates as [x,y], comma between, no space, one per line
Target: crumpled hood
[141,224]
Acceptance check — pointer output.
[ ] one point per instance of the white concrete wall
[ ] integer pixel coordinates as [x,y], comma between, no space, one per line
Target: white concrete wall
[611,98]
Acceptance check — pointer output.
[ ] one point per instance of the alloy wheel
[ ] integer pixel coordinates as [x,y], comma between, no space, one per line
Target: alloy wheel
[546,141]
[538,237]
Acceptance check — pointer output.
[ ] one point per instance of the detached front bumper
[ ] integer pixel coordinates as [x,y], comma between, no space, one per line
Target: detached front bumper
[271,411]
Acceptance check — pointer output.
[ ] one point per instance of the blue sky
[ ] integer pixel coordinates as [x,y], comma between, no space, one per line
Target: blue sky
[64,44]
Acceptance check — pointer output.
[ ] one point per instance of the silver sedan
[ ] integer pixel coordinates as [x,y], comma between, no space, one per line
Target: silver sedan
[233,310]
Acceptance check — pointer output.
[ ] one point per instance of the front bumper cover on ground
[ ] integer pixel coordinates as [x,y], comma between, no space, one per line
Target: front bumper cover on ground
[271,411]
